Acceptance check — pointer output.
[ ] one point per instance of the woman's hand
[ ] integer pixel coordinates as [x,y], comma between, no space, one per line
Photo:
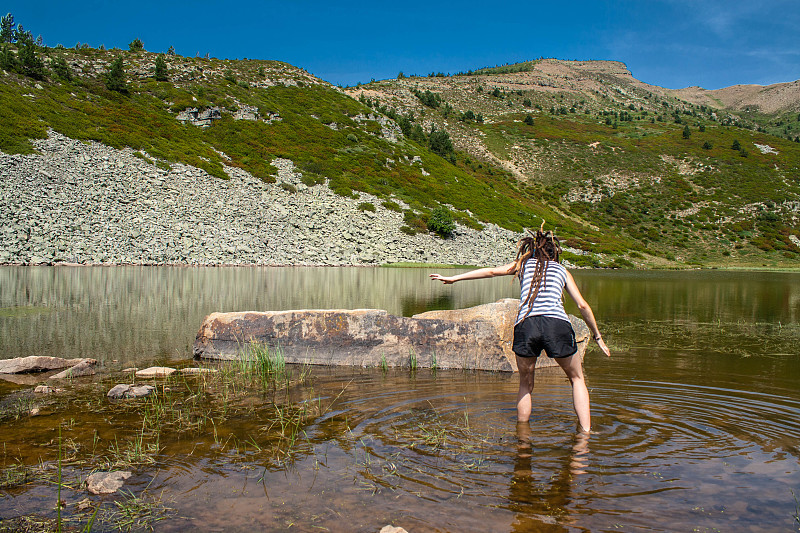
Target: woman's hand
[603,346]
[444,279]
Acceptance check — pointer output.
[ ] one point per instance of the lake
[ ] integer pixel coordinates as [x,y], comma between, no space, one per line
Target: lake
[696,415]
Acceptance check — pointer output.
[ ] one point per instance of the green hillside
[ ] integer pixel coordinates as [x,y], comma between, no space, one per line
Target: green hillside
[629,175]
[666,178]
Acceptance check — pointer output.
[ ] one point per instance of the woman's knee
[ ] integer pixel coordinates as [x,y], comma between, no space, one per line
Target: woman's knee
[572,367]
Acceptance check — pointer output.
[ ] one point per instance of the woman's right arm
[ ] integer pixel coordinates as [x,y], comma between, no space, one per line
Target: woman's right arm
[586,312]
[481,273]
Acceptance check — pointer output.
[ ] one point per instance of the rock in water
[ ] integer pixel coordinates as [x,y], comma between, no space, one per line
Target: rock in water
[124,391]
[106,482]
[84,368]
[155,372]
[38,363]
[476,338]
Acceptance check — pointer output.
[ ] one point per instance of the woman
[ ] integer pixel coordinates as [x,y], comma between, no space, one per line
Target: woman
[542,323]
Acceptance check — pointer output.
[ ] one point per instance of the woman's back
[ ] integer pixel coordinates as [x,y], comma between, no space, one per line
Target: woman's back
[548,301]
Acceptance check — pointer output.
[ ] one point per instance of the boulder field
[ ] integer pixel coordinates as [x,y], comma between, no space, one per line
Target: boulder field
[79,202]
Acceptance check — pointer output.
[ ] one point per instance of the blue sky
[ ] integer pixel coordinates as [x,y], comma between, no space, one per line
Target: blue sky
[671,43]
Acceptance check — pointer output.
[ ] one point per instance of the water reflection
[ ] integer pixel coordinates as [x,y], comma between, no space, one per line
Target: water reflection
[140,313]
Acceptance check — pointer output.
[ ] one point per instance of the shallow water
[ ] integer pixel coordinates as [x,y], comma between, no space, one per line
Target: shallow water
[696,415]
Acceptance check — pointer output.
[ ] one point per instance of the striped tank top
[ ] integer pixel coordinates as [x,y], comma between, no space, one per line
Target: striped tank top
[549,301]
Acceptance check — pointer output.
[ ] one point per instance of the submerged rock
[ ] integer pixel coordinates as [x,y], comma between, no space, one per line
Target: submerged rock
[197,370]
[475,338]
[392,529]
[38,363]
[106,482]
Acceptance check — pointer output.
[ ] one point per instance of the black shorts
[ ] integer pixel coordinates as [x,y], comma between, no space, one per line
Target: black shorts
[537,333]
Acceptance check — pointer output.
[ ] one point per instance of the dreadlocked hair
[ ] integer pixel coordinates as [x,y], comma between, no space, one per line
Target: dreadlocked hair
[544,247]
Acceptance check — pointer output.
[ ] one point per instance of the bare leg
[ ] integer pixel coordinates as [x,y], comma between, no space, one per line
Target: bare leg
[526,373]
[580,394]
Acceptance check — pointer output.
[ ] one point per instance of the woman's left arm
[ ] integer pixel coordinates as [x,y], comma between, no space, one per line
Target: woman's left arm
[586,312]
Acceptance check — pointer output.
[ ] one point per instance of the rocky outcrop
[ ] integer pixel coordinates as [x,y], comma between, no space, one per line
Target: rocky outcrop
[199,117]
[86,203]
[35,363]
[476,338]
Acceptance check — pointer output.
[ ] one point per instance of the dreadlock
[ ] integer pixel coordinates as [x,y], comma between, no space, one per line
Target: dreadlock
[542,245]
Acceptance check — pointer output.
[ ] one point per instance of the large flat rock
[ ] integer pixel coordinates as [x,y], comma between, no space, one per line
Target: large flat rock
[476,338]
[37,363]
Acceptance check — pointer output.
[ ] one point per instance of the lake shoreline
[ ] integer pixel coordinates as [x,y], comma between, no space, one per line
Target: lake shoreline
[675,268]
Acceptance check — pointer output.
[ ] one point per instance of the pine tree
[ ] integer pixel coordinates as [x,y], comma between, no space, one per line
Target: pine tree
[686,132]
[529,120]
[136,45]
[8,59]
[736,145]
[30,63]
[115,77]
[7,28]
[160,73]
[60,67]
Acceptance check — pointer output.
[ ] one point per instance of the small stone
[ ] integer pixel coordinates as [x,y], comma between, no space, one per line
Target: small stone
[106,482]
[393,529]
[155,372]
[35,411]
[45,389]
[84,504]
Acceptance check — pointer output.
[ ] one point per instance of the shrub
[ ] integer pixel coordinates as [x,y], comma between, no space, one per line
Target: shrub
[441,222]
[414,223]
[707,145]
[366,206]
[352,138]
[529,120]
[392,206]
[288,187]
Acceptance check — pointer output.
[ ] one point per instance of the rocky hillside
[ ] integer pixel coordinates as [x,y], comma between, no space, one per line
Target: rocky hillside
[114,156]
